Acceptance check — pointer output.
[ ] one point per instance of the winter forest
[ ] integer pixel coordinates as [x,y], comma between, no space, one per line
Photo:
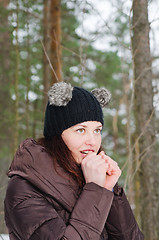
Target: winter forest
[89,43]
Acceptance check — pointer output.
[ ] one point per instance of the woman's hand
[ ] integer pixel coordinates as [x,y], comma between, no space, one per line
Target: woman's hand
[101,170]
[94,169]
[113,171]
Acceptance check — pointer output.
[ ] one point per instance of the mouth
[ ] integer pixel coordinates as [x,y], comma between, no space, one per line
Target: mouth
[85,152]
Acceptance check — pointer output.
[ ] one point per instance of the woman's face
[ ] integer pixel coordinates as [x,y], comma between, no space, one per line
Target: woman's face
[83,138]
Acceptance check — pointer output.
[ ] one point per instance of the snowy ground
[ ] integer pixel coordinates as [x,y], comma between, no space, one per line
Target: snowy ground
[4,237]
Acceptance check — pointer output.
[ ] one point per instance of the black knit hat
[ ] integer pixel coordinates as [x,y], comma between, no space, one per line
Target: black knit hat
[68,106]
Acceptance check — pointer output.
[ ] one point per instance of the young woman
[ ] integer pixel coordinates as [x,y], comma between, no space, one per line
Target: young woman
[63,186]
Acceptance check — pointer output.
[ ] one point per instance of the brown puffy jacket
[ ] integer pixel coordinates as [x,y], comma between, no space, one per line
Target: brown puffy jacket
[41,204]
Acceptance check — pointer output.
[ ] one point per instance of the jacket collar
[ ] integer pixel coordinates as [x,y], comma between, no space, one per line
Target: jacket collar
[33,163]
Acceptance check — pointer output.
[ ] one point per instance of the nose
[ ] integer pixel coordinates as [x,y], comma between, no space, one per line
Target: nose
[90,139]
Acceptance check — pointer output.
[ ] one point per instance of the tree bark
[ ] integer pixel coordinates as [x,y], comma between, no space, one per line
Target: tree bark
[47,44]
[28,75]
[16,130]
[5,43]
[52,45]
[6,113]
[147,178]
[5,100]
[55,33]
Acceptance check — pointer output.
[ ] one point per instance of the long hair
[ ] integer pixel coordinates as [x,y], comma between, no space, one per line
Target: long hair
[60,153]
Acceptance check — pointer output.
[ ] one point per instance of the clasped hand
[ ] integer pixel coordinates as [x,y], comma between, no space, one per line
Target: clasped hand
[100,169]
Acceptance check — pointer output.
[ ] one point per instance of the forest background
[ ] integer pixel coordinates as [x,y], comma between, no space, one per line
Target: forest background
[89,44]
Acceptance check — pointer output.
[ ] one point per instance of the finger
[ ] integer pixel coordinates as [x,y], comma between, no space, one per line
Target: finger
[89,156]
[91,161]
[113,170]
[102,153]
[102,165]
[109,160]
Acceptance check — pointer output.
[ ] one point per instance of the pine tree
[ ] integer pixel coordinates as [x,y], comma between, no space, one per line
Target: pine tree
[147,179]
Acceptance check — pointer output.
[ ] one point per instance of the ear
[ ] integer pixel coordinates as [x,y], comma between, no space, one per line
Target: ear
[103,96]
[60,94]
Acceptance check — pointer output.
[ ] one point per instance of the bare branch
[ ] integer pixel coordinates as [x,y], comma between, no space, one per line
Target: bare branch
[49,61]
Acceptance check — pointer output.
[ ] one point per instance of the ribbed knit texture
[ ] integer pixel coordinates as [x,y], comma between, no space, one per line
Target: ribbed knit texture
[83,107]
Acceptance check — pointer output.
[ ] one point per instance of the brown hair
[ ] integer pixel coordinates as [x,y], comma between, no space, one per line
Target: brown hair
[57,149]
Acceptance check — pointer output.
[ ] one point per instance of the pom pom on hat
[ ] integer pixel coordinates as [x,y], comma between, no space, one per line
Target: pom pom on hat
[102,95]
[60,94]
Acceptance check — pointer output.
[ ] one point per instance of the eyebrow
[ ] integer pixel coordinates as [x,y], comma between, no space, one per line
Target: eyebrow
[82,125]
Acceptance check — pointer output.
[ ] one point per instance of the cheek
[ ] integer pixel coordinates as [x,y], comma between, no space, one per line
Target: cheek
[71,145]
[98,142]
[71,142]
[74,145]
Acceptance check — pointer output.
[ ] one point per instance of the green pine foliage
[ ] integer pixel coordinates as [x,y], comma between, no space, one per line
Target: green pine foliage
[82,65]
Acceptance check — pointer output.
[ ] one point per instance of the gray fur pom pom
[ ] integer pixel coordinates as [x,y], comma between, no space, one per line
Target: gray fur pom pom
[60,94]
[103,96]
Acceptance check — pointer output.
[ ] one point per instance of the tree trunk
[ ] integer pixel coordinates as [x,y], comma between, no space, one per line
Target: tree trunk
[55,33]
[147,178]
[16,130]
[47,44]
[5,100]
[27,74]
[34,126]
[6,114]
[52,45]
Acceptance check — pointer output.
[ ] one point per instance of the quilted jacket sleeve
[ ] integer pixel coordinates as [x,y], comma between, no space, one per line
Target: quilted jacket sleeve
[31,217]
[121,224]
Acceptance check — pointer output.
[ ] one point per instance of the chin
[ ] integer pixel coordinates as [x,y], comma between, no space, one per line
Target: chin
[79,161]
